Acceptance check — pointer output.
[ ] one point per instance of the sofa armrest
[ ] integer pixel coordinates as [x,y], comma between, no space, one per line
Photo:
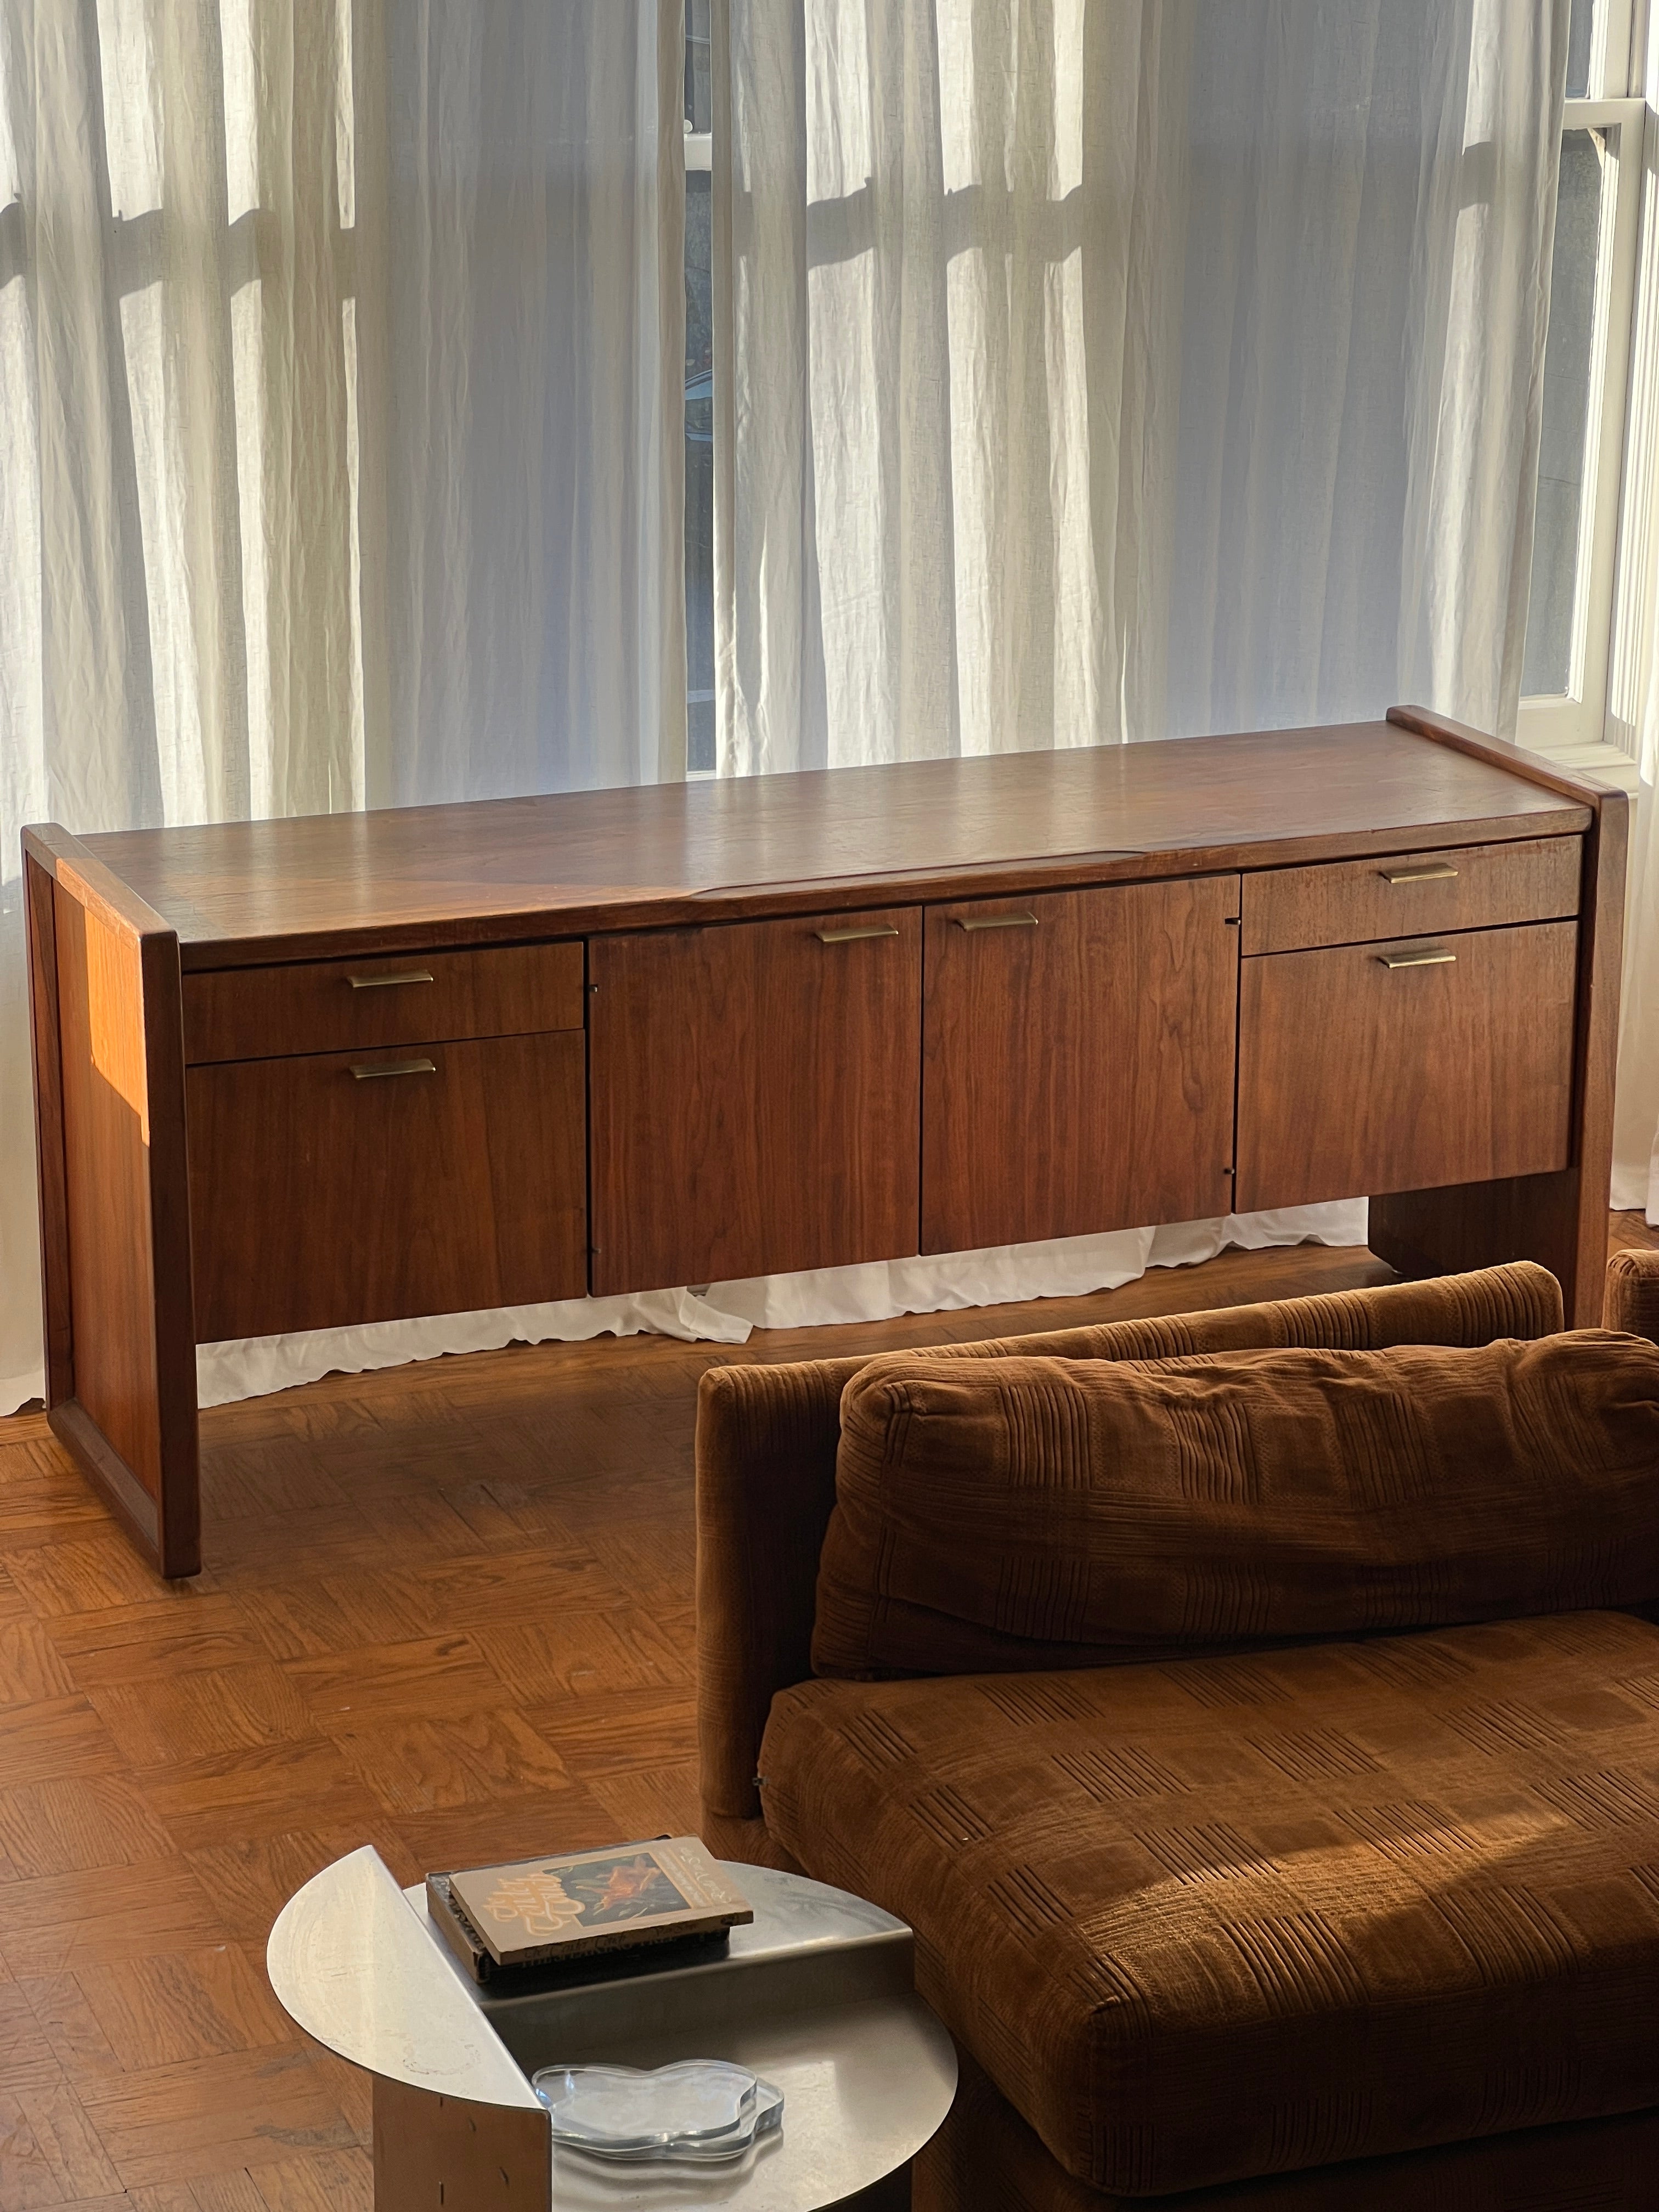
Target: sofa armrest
[767,1439]
[768,1435]
[1633,1293]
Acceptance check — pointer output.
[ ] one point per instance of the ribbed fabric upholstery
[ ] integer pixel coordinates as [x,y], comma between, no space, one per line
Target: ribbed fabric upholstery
[1632,1300]
[1229,1917]
[1041,1513]
[985,2158]
[767,1439]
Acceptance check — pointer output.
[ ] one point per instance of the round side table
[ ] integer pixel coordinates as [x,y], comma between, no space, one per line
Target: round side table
[817,1994]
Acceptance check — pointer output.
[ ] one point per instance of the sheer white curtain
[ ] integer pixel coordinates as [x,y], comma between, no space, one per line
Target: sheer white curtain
[946,351]
[1125,369]
[1369,211]
[1096,372]
[341,348]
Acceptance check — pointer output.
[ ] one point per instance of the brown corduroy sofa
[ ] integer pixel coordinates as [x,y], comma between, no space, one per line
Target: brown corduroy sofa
[1532,1818]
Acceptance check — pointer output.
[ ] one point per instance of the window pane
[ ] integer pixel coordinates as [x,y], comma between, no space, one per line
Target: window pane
[1580,31]
[698,95]
[1566,416]
[699,478]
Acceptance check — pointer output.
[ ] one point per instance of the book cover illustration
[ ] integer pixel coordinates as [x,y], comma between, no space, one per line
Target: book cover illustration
[537,1910]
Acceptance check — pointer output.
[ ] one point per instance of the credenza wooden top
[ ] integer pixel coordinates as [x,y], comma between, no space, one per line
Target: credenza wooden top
[488,871]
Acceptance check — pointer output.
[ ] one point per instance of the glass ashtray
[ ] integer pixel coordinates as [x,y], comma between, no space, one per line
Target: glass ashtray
[699,2111]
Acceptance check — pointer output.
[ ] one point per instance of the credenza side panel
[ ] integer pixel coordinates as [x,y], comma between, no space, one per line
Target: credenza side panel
[1078,1062]
[755,1097]
[39,893]
[131,1418]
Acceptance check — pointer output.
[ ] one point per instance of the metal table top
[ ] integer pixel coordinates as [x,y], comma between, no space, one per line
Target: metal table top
[817,1994]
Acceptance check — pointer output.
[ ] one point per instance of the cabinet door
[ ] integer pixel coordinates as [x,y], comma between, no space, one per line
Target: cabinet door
[1078,1062]
[755,1097]
[1371,1068]
[369,1186]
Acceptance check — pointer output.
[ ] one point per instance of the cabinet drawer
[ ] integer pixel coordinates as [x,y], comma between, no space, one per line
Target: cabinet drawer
[1411,894]
[1405,1066]
[356,1187]
[341,1005]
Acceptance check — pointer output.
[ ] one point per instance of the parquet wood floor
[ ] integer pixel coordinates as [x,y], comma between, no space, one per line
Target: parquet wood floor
[449,1613]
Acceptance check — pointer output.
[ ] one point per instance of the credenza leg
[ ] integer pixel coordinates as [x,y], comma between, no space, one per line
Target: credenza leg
[106,1012]
[1558,1220]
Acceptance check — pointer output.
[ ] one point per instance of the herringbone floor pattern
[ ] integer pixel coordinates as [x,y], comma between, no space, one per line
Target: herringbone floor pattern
[449,1612]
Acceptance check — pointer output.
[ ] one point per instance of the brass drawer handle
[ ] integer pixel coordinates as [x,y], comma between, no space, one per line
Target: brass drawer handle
[1437,872]
[1432,959]
[995,920]
[386,982]
[851,936]
[361,1073]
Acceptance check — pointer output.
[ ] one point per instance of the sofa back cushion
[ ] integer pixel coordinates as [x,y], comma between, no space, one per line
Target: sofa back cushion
[1045,1513]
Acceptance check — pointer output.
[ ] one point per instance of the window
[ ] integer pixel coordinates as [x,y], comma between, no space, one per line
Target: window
[1564,705]
[1564,708]
[699,398]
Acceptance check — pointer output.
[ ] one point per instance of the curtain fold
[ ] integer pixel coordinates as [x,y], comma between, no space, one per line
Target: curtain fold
[1128,370]
[341,369]
[951,299]
[534,302]
[1361,358]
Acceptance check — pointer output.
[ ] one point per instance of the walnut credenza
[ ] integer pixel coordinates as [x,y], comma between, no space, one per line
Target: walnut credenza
[295,1075]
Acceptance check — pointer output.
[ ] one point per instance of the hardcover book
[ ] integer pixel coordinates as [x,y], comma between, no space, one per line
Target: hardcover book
[539,1912]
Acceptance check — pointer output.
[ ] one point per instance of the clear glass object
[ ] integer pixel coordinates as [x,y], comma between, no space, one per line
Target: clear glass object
[698,2111]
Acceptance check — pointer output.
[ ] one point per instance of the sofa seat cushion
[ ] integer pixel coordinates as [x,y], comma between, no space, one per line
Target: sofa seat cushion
[1227,1916]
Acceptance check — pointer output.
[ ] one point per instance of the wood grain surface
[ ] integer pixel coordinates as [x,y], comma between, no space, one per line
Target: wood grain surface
[1357,1076]
[495,870]
[1557,1219]
[175,1761]
[341,1005]
[1498,752]
[1078,1062]
[797,1148]
[125,1222]
[52,1170]
[459,1185]
[1412,893]
[433,2152]
[755,1097]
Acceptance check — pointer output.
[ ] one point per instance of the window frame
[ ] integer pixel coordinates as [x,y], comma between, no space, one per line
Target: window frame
[1574,726]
